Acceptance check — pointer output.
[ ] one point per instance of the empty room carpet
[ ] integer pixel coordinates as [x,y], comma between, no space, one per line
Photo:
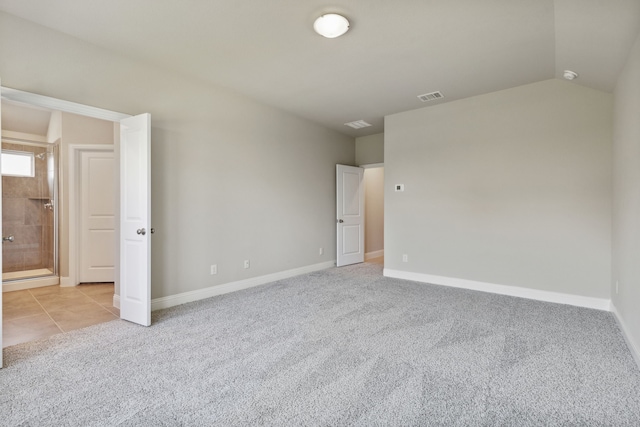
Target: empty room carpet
[342,346]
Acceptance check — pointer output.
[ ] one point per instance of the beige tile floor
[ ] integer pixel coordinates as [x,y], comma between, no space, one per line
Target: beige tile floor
[41,312]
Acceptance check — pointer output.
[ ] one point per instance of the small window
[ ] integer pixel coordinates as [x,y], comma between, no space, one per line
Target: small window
[17,163]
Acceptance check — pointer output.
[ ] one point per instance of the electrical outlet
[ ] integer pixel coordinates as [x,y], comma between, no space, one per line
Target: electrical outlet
[405,258]
[246,263]
[321,251]
[214,269]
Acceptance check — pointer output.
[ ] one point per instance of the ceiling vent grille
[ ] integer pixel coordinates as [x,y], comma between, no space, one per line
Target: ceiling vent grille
[430,96]
[358,124]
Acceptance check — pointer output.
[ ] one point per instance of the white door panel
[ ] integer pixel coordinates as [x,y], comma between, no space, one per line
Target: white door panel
[350,215]
[135,219]
[351,239]
[97,217]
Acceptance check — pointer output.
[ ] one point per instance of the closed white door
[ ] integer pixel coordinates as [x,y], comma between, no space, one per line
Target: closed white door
[97,217]
[135,219]
[350,215]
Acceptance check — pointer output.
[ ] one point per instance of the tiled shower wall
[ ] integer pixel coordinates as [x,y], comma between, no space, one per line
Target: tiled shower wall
[25,217]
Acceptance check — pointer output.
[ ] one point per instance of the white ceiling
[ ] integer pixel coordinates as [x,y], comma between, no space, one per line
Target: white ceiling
[394,51]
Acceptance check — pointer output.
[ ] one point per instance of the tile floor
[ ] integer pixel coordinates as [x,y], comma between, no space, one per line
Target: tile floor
[41,312]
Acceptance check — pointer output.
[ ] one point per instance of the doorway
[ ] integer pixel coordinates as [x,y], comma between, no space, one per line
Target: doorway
[34,305]
[359,214]
[133,280]
[374,213]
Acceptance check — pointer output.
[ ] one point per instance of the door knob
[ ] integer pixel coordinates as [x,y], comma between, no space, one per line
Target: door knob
[9,239]
[340,221]
[141,231]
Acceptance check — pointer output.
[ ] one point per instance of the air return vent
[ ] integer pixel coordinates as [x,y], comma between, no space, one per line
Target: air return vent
[358,124]
[430,96]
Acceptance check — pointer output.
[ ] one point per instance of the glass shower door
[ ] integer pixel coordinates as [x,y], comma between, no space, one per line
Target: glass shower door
[29,210]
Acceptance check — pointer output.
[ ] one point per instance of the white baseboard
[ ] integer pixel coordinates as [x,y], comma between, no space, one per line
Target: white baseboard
[212,291]
[375,254]
[65,282]
[116,301]
[514,291]
[634,348]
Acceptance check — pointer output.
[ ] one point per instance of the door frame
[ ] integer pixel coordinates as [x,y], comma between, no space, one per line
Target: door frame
[75,175]
[61,105]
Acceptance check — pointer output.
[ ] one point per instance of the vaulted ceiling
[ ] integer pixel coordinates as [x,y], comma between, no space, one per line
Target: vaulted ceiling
[394,51]
[25,118]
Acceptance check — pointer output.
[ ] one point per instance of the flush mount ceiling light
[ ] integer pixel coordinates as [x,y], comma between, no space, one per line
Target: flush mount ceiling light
[569,75]
[331,25]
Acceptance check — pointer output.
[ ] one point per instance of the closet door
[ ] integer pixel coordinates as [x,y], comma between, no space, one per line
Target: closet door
[97,217]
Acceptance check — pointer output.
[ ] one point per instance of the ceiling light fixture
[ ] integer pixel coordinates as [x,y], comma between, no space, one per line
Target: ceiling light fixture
[569,75]
[331,25]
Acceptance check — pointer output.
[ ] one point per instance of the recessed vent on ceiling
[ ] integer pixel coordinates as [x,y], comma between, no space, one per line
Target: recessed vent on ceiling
[430,96]
[358,124]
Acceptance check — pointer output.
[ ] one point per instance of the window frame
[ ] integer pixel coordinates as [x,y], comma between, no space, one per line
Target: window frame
[32,158]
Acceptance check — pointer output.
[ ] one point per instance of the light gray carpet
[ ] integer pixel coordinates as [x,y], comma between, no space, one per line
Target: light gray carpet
[337,347]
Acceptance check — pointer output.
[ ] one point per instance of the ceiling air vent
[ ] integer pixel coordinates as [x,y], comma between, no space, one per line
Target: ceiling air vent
[358,124]
[430,96]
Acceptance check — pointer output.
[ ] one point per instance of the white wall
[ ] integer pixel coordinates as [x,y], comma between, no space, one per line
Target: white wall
[370,149]
[373,210]
[231,179]
[626,201]
[510,188]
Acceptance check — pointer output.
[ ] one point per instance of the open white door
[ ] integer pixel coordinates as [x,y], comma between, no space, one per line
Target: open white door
[135,219]
[350,215]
